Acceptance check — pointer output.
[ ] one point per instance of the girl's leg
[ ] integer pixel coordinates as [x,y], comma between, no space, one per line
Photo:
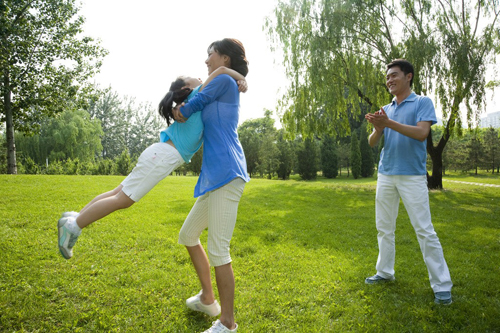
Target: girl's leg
[155,163]
[102,196]
[103,207]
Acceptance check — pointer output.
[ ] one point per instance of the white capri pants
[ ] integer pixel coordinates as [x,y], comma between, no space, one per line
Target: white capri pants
[155,163]
[216,210]
[415,195]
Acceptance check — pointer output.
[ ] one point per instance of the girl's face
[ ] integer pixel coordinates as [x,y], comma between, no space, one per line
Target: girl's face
[191,82]
[215,60]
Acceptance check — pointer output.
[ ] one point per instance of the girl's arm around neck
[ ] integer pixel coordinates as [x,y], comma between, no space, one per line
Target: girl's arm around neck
[223,70]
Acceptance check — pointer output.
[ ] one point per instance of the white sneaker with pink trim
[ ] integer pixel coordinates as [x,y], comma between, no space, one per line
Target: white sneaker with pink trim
[217,327]
[194,303]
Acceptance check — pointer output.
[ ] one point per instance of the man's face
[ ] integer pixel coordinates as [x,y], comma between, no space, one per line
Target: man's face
[397,81]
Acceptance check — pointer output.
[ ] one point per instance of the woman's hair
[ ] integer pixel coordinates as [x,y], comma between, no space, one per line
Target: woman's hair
[235,51]
[176,94]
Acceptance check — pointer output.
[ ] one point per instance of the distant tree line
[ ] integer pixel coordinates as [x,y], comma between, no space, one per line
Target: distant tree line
[108,137]
[475,150]
[270,153]
[105,139]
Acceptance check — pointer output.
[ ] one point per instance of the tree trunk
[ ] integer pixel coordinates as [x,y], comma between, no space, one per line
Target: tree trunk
[435,181]
[11,145]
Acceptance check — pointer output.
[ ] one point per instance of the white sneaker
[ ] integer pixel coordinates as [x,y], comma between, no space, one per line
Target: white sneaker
[194,303]
[217,327]
[70,214]
[65,238]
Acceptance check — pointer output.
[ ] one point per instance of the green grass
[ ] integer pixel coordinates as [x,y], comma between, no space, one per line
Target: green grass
[482,177]
[301,251]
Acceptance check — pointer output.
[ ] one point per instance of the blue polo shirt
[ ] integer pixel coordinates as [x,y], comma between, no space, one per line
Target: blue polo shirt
[187,137]
[223,157]
[401,154]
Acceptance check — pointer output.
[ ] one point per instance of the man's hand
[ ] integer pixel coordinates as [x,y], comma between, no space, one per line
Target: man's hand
[378,119]
[177,113]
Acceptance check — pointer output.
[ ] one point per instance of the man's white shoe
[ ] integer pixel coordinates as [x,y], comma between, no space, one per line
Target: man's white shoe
[194,303]
[217,327]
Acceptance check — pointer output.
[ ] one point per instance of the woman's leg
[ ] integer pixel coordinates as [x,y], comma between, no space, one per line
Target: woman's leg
[225,285]
[202,267]
[223,211]
[189,235]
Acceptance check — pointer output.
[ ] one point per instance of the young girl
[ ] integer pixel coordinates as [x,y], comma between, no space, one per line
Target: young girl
[177,145]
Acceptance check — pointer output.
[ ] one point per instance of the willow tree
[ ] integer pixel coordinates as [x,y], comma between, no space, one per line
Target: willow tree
[335,52]
[45,62]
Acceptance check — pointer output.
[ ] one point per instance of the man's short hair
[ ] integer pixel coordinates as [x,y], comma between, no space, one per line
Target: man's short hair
[404,65]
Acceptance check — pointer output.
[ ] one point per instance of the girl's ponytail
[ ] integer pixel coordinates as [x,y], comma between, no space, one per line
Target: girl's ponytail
[177,93]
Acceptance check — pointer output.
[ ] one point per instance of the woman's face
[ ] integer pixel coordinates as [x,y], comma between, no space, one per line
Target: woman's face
[215,60]
[191,82]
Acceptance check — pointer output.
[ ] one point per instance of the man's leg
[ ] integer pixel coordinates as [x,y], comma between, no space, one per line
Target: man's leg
[386,211]
[414,193]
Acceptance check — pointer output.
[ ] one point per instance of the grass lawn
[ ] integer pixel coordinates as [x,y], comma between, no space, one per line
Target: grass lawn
[482,177]
[301,251]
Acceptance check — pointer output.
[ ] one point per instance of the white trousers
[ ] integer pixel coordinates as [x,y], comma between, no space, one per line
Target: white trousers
[216,210]
[414,193]
[155,163]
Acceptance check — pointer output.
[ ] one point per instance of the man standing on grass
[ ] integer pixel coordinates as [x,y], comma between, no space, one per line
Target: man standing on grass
[405,123]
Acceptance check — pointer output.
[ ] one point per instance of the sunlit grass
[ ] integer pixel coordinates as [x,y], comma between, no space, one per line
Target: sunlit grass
[301,251]
[481,177]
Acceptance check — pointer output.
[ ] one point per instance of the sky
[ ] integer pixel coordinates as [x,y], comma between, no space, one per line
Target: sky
[151,42]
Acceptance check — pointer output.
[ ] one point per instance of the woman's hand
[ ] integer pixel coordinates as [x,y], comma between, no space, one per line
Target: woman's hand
[177,113]
[242,86]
